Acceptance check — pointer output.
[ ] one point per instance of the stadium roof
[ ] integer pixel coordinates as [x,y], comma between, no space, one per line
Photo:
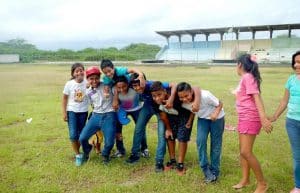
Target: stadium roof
[223,30]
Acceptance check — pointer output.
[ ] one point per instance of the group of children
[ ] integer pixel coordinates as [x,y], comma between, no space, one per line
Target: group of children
[125,91]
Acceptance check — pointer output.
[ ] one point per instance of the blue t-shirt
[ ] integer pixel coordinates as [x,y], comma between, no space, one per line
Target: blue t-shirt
[119,71]
[146,95]
[293,86]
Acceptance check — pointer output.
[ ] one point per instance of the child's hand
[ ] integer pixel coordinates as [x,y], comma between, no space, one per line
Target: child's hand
[87,85]
[169,134]
[188,125]
[267,125]
[213,116]
[169,104]
[106,91]
[195,107]
[142,83]
[65,117]
[115,105]
[272,119]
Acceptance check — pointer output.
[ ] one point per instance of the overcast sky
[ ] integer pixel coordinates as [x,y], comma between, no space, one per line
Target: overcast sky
[77,24]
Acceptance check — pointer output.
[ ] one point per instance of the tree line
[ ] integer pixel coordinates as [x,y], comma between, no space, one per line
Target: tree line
[30,53]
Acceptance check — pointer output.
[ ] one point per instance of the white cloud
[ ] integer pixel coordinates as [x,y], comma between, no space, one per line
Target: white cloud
[115,22]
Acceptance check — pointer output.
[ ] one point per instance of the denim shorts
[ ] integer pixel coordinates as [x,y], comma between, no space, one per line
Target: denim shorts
[76,122]
[180,132]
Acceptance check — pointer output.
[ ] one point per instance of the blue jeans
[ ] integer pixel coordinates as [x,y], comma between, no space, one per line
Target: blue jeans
[106,122]
[119,127]
[140,130]
[293,131]
[216,129]
[76,122]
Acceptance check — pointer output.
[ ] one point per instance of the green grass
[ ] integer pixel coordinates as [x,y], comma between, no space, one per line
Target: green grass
[37,157]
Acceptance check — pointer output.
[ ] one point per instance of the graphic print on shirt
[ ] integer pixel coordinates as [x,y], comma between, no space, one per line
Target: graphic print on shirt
[79,95]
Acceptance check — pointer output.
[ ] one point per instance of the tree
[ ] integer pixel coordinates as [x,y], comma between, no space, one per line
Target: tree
[20,43]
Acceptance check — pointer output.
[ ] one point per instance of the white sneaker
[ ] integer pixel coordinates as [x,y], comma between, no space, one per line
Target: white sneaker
[118,154]
[145,153]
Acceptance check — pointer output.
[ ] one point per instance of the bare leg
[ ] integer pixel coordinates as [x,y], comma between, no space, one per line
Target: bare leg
[247,142]
[171,148]
[76,146]
[245,171]
[182,151]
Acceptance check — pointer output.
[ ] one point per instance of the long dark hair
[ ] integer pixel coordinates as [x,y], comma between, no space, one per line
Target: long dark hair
[250,65]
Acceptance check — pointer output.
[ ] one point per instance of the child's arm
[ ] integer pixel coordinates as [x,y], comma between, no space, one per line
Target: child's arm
[197,97]
[141,76]
[115,103]
[64,107]
[282,105]
[164,118]
[217,111]
[169,102]
[261,110]
[189,123]
[106,90]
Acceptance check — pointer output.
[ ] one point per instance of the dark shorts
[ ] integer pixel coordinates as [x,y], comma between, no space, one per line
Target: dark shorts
[180,132]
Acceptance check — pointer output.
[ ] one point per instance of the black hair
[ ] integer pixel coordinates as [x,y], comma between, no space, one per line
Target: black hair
[293,59]
[74,66]
[121,79]
[183,86]
[156,86]
[250,66]
[134,78]
[106,63]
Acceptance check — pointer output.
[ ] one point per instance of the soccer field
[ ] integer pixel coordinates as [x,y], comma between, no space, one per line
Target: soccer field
[36,156]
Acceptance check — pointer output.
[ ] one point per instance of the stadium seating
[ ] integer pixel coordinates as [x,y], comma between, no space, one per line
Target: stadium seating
[266,50]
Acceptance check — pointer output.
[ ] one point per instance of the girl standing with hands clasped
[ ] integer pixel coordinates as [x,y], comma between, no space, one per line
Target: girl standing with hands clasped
[291,99]
[75,106]
[251,117]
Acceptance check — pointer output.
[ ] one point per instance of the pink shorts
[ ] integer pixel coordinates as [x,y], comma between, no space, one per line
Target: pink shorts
[249,127]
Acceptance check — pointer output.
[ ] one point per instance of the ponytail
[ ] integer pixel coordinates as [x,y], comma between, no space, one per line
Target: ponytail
[250,65]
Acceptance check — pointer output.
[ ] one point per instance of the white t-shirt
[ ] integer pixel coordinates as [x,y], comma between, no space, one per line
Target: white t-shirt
[100,102]
[208,105]
[77,98]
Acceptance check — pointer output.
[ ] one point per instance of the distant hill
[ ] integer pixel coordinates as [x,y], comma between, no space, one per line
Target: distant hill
[30,53]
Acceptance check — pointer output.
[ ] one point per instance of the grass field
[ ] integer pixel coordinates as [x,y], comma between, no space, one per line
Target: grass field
[37,156]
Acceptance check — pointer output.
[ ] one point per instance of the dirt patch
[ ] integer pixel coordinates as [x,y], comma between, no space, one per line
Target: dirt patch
[137,176]
[13,124]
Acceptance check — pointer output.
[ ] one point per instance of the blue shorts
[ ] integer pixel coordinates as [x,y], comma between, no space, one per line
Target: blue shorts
[76,122]
[179,130]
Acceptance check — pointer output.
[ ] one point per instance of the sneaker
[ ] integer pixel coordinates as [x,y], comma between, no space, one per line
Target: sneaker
[145,153]
[118,154]
[133,159]
[78,159]
[209,176]
[180,169]
[171,165]
[159,167]
[105,159]
[81,159]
